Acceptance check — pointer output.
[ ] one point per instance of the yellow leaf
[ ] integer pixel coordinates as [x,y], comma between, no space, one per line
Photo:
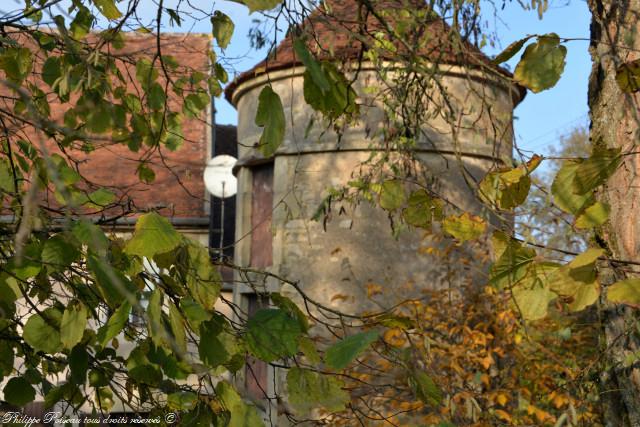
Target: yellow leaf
[585,296]
[464,227]
[502,399]
[503,415]
[487,361]
[486,380]
[559,400]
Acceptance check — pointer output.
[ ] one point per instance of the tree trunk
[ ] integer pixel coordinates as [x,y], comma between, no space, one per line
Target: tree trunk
[615,122]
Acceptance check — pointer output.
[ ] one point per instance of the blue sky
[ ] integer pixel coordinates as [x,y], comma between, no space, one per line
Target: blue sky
[540,118]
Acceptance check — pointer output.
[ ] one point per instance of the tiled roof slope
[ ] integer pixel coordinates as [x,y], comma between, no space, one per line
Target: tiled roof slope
[178,190]
[343,29]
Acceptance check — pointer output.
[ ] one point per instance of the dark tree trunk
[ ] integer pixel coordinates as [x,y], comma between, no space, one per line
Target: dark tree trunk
[615,123]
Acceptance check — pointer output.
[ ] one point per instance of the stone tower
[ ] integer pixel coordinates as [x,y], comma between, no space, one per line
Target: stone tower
[334,263]
[278,196]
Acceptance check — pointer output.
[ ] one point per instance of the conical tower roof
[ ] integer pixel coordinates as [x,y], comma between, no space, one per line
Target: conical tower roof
[342,30]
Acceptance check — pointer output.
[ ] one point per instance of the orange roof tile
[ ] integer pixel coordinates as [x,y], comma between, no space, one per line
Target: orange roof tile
[344,29]
[178,189]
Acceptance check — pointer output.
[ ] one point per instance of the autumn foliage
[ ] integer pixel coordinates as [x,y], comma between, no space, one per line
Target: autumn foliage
[472,362]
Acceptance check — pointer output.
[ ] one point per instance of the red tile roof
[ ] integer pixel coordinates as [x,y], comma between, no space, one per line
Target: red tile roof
[178,189]
[343,29]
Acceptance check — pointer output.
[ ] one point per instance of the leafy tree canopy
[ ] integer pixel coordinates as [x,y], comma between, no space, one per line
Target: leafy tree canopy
[70,292]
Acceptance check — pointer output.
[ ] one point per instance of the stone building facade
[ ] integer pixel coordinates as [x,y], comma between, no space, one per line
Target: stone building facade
[335,262]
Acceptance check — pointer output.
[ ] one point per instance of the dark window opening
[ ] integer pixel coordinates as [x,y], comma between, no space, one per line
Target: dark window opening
[261,210]
[223,212]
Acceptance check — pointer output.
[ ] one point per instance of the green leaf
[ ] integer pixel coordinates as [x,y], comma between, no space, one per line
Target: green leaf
[51,70]
[174,16]
[562,189]
[19,392]
[596,170]
[182,401]
[309,350]
[82,23]
[515,194]
[59,252]
[108,9]
[79,364]
[28,265]
[113,285]
[101,197]
[575,277]
[272,334]
[203,280]
[510,51]
[104,398]
[177,326]
[146,174]
[259,5]
[242,415]
[270,116]
[54,395]
[147,374]
[313,66]
[340,354]
[222,28]
[220,73]
[42,331]
[194,312]
[391,320]
[211,350]
[157,330]
[6,176]
[625,292]
[291,308]
[99,378]
[512,265]
[194,103]
[392,195]
[424,387]
[202,415]
[464,227]
[339,100]
[74,322]
[153,235]
[17,63]
[587,258]
[309,390]
[6,358]
[499,243]
[114,325]
[542,63]
[9,289]
[628,76]
[156,97]
[508,188]
[145,72]
[418,210]
[585,296]
[532,303]
[593,216]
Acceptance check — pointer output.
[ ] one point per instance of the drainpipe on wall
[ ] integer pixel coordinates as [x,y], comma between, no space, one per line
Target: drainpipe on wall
[213,151]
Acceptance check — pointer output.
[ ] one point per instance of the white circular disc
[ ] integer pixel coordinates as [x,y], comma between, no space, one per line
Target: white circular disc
[218,176]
